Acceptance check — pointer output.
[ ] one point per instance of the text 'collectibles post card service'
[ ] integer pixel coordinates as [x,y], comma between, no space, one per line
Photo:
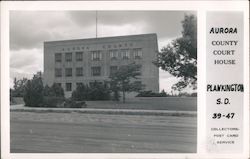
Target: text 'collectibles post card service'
[124,79]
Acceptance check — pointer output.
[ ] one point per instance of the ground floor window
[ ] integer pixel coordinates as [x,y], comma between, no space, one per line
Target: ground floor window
[113,70]
[79,84]
[68,86]
[96,71]
[59,84]
[95,83]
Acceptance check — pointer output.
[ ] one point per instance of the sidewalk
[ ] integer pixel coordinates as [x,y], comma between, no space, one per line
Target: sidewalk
[22,108]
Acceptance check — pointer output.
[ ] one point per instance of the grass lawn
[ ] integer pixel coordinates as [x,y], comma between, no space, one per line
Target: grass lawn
[149,103]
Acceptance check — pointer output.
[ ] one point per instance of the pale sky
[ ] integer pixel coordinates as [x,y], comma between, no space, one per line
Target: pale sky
[29,29]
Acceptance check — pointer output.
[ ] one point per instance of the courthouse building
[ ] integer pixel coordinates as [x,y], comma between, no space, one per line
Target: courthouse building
[70,62]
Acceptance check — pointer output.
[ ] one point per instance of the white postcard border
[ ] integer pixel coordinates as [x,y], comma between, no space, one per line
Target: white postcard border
[200,6]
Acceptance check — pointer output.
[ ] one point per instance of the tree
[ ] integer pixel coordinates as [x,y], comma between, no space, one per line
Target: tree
[163,93]
[180,57]
[33,95]
[121,80]
[18,88]
[99,91]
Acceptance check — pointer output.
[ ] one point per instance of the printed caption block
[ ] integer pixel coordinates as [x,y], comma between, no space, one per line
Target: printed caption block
[225,89]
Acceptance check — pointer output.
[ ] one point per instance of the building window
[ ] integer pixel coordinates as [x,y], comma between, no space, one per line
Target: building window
[79,56]
[137,53]
[113,54]
[96,71]
[113,70]
[68,57]
[58,57]
[139,71]
[96,55]
[68,72]
[68,86]
[58,84]
[58,72]
[125,54]
[79,71]
[78,84]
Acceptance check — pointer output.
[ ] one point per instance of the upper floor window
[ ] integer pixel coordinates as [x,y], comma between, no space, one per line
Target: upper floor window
[68,72]
[113,70]
[58,57]
[68,57]
[96,71]
[137,53]
[96,55]
[79,56]
[79,71]
[58,72]
[113,54]
[125,54]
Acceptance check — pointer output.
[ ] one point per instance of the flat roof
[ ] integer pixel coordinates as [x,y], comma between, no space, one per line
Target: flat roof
[105,38]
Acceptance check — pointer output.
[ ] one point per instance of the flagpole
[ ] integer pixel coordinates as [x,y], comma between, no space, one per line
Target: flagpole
[96,15]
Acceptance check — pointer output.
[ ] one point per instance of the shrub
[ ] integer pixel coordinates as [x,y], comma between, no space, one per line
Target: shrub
[116,95]
[163,93]
[53,96]
[70,103]
[194,95]
[185,94]
[152,94]
[55,91]
[53,101]
[96,91]
[81,92]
